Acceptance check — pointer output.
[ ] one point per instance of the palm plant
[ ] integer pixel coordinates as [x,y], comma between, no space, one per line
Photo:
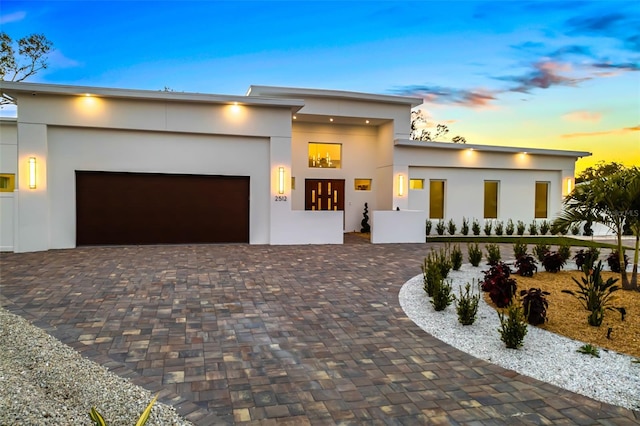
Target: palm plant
[611,200]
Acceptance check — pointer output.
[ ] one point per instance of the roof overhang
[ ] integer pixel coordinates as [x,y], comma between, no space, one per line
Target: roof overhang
[17,89]
[489,148]
[295,93]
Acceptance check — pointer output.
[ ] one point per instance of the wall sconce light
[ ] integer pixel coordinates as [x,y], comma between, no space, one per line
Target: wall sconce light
[569,184]
[400,185]
[281,180]
[32,172]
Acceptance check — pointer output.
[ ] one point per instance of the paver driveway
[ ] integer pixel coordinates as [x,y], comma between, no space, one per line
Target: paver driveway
[264,335]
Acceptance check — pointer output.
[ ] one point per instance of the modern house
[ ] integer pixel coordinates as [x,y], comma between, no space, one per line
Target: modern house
[100,166]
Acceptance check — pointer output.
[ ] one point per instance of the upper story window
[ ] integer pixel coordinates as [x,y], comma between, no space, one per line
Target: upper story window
[325,155]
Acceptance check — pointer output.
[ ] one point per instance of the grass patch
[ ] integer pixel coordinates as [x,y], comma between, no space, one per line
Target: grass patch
[528,239]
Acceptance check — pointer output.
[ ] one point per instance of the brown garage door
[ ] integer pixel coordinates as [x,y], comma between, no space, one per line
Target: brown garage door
[153,208]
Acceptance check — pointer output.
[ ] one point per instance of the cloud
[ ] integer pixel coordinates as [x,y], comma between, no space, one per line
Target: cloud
[12,17]
[588,116]
[545,74]
[628,66]
[622,131]
[477,98]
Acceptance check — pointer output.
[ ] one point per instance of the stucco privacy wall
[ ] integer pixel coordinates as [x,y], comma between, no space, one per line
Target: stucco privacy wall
[67,133]
[8,165]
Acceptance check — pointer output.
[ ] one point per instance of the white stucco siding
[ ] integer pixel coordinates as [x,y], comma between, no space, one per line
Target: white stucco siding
[72,149]
[464,192]
[8,165]
[135,114]
[359,149]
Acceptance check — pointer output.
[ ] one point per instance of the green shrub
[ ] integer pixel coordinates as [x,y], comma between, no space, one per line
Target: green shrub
[595,294]
[441,297]
[499,227]
[493,253]
[475,227]
[467,305]
[545,227]
[586,258]
[540,250]
[465,226]
[488,224]
[513,326]
[564,250]
[519,249]
[428,225]
[589,349]
[440,227]
[510,228]
[98,420]
[431,275]
[475,254]
[451,227]
[533,228]
[456,258]
[521,227]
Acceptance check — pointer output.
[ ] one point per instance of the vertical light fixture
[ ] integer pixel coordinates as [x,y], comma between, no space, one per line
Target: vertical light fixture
[569,182]
[400,185]
[32,172]
[281,180]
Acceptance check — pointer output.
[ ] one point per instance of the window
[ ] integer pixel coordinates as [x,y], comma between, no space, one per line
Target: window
[7,182]
[542,200]
[362,184]
[325,155]
[436,199]
[416,183]
[491,199]
[293,183]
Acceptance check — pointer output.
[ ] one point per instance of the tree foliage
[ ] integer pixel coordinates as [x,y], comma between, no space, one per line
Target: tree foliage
[601,169]
[420,132]
[22,58]
[609,199]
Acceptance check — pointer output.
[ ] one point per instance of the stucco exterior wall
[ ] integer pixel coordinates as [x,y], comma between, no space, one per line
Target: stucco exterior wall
[358,162]
[8,165]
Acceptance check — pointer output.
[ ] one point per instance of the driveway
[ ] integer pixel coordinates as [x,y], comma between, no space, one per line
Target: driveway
[240,334]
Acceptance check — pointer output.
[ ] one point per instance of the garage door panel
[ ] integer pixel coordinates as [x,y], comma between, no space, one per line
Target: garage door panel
[149,208]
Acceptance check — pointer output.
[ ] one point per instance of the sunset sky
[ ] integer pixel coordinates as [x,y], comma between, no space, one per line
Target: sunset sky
[543,74]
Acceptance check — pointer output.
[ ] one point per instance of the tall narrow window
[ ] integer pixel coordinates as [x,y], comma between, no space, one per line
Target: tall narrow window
[436,199]
[491,199]
[325,155]
[542,200]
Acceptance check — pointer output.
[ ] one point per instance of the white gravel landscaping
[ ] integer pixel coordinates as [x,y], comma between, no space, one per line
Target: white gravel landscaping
[613,378]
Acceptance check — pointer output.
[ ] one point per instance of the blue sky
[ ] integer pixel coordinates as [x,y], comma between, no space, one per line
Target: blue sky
[545,74]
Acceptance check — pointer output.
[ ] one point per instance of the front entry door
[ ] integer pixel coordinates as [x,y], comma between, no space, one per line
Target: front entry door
[324,194]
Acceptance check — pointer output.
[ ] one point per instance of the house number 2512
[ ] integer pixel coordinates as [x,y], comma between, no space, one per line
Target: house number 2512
[281,198]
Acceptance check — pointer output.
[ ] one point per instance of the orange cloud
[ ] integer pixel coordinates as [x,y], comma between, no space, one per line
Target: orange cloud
[588,116]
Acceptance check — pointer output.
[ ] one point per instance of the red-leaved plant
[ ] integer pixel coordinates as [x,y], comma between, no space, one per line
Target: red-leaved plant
[498,284]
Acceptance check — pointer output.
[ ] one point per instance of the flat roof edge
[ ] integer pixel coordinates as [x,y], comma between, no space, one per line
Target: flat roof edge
[489,148]
[69,90]
[297,92]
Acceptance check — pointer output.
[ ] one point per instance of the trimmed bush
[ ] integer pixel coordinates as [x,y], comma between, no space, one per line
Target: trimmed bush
[475,227]
[475,254]
[509,228]
[493,253]
[465,226]
[513,326]
[553,262]
[467,305]
[451,227]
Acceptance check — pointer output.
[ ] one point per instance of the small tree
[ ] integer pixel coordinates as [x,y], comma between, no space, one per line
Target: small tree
[612,200]
[31,57]
[419,132]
